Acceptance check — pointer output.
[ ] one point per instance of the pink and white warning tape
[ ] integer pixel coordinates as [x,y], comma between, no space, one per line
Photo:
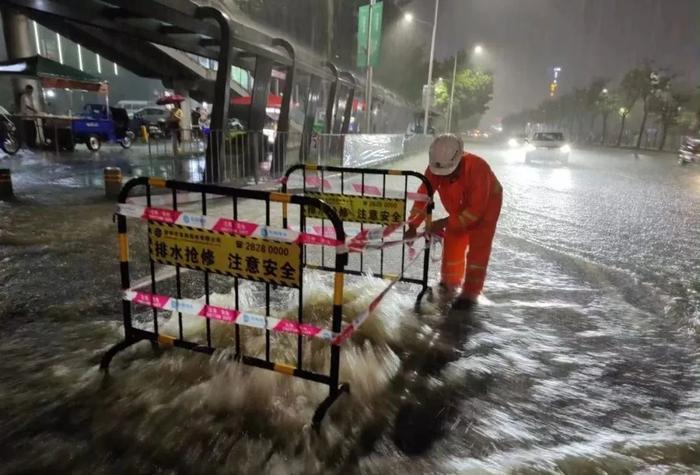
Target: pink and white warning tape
[315,181]
[229,315]
[225,225]
[371,238]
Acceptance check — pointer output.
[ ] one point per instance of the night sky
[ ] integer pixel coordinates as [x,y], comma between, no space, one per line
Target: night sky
[587,38]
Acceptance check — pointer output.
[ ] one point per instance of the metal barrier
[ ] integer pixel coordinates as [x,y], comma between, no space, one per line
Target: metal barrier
[359,150]
[166,143]
[369,204]
[247,157]
[233,249]
[324,149]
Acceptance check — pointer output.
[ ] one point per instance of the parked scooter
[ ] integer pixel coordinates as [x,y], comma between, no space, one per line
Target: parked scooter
[689,152]
[9,137]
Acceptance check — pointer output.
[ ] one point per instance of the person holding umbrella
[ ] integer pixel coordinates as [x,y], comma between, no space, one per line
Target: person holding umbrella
[175,126]
[174,123]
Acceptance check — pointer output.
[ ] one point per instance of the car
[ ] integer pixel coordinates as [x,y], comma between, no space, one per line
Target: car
[547,146]
[517,141]
[131,106]
[152,115]
[689,151]
[99,123]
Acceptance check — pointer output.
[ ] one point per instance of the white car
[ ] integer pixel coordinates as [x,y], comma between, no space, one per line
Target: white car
[547,146]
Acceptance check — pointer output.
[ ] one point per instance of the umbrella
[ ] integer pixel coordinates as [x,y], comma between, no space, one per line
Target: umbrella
[174,99]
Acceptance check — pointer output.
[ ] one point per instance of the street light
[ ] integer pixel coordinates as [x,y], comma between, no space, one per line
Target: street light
[426,116]
[604,91]
[409,18]
[478,50]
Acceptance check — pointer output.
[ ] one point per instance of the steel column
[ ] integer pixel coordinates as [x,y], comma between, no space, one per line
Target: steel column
[257,114]
[345,126]
[279,158]
[222,89]
[313,95]
[261,90]
[330,105]
[18,45]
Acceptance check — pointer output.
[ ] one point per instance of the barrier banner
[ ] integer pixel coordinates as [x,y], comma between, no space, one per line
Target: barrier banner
[361,209]
[250,258]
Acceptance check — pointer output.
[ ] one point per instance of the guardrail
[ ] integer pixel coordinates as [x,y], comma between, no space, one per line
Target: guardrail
[233,249]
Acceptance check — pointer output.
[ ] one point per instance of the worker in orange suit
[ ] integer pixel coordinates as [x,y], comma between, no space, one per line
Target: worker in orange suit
[472,197]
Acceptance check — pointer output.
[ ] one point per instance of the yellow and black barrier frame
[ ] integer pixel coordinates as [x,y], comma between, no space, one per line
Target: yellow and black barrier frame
[331,198]
[133,335]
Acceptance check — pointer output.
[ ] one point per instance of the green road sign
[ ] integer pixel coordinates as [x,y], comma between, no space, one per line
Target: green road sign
[363,28]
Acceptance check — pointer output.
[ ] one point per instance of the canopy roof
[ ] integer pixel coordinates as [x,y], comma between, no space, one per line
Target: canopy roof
[51,73]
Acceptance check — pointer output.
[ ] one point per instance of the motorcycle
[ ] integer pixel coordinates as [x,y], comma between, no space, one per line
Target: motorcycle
[689,152]
[9,136]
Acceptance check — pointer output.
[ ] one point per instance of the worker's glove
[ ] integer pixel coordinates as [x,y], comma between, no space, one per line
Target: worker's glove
[437,226]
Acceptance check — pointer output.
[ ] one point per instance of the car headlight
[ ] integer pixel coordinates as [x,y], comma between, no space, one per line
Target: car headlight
[565,148]
[529,147]
[512,143]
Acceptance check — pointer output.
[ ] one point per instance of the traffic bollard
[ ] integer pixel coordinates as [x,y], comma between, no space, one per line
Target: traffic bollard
[5,184]
[113,182]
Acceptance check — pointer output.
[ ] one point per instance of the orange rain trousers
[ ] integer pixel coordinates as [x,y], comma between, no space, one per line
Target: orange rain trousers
[466,254]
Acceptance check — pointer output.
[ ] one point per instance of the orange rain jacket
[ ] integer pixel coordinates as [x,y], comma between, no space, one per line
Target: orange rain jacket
[466,197]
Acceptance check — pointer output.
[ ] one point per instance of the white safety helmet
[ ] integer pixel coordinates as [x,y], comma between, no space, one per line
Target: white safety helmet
[445,154]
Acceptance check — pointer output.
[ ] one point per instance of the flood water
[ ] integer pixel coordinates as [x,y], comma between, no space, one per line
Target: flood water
[583,358]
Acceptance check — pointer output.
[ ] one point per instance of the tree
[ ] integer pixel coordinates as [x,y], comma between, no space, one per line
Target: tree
[642,83]
[668,106]
[579,104]
[630,91]
[606,104]
[473,92]
[591,96]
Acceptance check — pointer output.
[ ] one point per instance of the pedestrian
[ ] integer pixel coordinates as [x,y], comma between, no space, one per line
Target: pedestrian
[28,112]
[472,196]
[195,115]
[175,126]
[204,121]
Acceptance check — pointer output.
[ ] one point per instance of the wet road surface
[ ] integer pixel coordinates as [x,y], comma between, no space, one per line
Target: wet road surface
[583,359]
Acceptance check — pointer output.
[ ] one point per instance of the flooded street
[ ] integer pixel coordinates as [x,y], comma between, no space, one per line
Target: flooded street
[582,359]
